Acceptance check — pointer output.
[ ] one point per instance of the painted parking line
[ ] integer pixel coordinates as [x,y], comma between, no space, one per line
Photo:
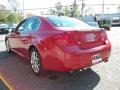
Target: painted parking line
[4,83]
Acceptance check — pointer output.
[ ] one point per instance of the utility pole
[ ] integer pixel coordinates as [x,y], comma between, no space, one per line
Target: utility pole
[82,7]
[74,9]
[75,5]
[102,9]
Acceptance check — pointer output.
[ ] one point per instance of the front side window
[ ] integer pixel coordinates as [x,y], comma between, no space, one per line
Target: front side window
[29,25]
[21,26]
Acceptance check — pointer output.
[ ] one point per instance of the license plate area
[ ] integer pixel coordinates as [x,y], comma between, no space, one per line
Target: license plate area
[90,37]
[96,58]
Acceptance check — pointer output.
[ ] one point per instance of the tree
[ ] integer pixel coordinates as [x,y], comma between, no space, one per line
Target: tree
[59,8]
[66,11]
[3,16]
[9,17]
[51,12]
[72,10]
[20,17]
[3,13]
[75,12]
[13,18]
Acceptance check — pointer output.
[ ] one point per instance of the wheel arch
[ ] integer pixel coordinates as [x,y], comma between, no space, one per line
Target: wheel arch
[33,46]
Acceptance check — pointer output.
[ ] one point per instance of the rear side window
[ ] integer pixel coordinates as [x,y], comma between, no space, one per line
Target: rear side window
[36,24]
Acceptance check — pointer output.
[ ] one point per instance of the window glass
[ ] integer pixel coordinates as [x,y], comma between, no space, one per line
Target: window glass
[29,25]
[36,24]
[21,26]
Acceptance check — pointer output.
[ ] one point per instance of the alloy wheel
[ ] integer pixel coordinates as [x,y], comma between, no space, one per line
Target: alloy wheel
[35,62]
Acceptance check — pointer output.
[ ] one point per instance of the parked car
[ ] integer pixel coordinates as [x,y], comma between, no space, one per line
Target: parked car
[116,21]
[105,23]
[54,43]
[12,26]
[4,28]
[94,24]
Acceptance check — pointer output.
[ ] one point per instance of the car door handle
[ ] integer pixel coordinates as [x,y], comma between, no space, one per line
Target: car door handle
[25,41]
[14,35]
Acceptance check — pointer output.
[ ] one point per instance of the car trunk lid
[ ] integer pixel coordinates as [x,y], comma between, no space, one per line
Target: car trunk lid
[88,38]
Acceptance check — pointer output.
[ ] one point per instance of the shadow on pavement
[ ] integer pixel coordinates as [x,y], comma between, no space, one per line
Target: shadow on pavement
[3,86]
[4,54]
[19,75]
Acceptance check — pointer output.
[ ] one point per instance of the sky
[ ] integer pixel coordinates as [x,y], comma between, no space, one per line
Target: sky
[32,4]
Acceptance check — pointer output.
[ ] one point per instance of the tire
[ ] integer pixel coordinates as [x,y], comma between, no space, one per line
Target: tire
[7,46]
[35,61]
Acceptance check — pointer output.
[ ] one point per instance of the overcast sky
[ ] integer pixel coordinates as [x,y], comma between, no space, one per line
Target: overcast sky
[50,3]
[32,4]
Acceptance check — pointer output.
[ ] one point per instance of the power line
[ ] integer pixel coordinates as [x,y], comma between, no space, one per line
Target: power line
[63,6]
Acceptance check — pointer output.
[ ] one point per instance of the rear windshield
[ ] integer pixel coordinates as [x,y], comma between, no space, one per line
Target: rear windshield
[67,22]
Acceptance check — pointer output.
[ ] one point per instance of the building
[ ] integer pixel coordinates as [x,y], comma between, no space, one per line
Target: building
[114,18]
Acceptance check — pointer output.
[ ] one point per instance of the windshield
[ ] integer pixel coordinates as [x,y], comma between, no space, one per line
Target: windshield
[66,22]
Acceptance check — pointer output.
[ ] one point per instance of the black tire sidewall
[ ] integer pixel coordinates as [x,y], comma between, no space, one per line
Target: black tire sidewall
[7,42]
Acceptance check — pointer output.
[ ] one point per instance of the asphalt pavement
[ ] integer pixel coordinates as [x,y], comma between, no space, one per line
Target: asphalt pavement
[104,76]
[2,37]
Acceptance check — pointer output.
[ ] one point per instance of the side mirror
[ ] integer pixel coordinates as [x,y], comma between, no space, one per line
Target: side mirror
[17,33]
[13,30]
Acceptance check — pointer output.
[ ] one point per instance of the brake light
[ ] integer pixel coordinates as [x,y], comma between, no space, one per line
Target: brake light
[107,42]
[103,36]
[64,39]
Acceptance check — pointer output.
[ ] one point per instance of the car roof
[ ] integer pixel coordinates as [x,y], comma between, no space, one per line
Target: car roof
[45,16]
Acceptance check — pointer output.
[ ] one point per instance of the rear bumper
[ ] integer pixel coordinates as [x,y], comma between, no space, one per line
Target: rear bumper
[72,58]
[84,60]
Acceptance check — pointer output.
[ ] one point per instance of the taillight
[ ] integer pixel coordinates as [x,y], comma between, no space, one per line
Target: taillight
[107,42]
[103,36]
[64,39]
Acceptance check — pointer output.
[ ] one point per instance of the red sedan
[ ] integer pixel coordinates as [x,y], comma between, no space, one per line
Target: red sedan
[54,43]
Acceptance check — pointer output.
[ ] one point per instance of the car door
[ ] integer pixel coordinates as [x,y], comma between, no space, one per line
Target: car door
[25,37]
[15,35]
